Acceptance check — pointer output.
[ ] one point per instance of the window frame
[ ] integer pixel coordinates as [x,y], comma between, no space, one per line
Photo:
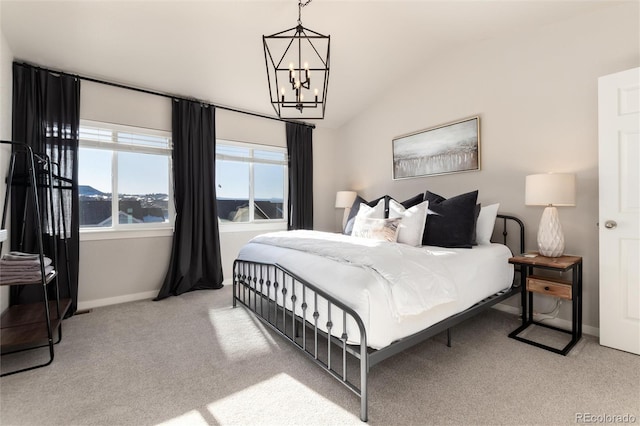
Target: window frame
[257,224]
[128,230]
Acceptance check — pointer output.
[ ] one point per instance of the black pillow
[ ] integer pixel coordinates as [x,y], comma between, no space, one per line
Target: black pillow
[476,213]
[351,219]
[413,201]
[453,221]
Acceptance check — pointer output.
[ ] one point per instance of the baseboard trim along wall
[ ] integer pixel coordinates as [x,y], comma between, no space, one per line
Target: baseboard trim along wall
[97,303]
[557,322]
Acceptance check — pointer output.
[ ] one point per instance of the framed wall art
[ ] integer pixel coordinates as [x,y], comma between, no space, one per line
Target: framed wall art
[448,148]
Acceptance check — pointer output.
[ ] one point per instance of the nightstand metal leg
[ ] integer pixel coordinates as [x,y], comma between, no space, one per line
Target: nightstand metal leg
[523,292]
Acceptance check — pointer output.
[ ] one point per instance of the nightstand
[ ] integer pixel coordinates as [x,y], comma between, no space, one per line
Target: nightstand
[569,290]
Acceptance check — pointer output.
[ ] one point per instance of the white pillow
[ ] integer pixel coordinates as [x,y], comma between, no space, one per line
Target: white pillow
[413,222]
[485,223]
[376,229]
[376,212]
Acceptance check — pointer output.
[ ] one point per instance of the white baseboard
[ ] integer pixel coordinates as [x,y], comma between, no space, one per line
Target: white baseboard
[557,322]
[96,303]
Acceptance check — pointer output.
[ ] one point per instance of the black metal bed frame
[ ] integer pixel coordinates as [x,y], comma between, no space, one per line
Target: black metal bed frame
[266,289]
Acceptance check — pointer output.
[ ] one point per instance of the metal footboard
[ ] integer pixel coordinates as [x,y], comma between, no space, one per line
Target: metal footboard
[322,327]
[307,317]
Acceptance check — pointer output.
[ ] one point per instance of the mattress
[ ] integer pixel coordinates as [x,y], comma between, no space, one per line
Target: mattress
[469,276]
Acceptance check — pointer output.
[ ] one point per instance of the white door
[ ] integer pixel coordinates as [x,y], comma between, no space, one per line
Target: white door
[619,161]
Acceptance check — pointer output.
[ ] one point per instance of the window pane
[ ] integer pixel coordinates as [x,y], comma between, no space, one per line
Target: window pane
[94,176]
[232,190]
[268,191]
[143,188]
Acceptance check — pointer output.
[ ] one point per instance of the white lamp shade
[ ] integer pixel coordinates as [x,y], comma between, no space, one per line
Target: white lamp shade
[550,189]
[345,199]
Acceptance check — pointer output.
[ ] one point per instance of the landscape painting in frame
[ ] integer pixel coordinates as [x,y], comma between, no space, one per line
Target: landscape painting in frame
[449,148]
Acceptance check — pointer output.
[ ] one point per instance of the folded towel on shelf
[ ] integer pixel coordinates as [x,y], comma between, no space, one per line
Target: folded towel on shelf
[20,256]
[18,271]
[19,264]
[22,277]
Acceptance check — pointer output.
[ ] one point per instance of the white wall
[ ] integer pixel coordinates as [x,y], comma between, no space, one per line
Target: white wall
[6,84]
[325,180]
[124,268]
[536,94]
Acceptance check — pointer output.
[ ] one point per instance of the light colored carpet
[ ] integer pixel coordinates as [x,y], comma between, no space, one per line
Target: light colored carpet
[194,360]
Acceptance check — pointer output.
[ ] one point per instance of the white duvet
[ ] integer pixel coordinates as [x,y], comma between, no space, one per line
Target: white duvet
[412,282]
[396,289]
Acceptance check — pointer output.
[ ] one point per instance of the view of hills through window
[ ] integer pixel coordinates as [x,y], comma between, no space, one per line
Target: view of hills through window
[96,207]
[247,176]
[142,182]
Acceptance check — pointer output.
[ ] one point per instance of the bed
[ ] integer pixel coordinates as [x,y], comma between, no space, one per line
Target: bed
[349,303]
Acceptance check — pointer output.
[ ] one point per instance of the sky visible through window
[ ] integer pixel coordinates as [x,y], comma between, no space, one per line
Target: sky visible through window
[232,180]
[148,174]
[137,173]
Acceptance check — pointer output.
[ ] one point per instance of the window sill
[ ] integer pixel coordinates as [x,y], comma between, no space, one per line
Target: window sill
[110,234]
[251,227]
[120,234]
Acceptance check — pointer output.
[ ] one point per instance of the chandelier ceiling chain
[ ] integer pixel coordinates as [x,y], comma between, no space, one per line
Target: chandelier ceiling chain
[306,52]
[300,6]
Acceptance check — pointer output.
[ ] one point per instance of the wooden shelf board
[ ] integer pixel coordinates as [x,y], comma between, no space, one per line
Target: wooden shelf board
[26,325]
[562,263]
[31,313]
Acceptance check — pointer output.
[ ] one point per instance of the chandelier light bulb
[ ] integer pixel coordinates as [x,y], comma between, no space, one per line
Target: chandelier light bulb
[291,66]
[315,91]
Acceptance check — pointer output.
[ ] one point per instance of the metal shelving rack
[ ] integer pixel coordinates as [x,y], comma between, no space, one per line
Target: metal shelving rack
[33,325]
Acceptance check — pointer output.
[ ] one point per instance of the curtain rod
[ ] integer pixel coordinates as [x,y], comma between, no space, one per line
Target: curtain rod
[164,95]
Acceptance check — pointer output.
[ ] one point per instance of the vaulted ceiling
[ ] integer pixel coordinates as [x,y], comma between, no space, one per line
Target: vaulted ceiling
[212,50]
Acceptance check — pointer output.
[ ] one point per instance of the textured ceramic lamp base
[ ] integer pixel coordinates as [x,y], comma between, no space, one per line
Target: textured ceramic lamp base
[550,236]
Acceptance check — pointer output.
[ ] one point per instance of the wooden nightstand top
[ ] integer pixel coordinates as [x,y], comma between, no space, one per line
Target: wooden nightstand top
[562,262]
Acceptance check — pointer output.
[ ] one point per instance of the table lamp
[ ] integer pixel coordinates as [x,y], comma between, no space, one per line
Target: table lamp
[550,190]
[344,200]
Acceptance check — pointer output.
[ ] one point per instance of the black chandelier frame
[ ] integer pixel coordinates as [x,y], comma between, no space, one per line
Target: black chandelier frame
[299,77]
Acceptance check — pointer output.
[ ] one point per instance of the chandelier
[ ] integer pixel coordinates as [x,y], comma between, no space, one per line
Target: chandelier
[297,63]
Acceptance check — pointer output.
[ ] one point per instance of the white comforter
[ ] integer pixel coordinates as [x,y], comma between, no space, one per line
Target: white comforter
[376,293]
[415,280]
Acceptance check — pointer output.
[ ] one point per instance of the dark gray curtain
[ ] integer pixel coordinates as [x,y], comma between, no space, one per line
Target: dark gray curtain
[46,116]
[300,151]
[195,263]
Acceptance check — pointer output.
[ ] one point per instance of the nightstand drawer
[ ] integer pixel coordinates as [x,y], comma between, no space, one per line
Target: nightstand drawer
[549,286]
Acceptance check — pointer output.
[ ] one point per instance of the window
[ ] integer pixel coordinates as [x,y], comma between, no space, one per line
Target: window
[133,163]
[251,183]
